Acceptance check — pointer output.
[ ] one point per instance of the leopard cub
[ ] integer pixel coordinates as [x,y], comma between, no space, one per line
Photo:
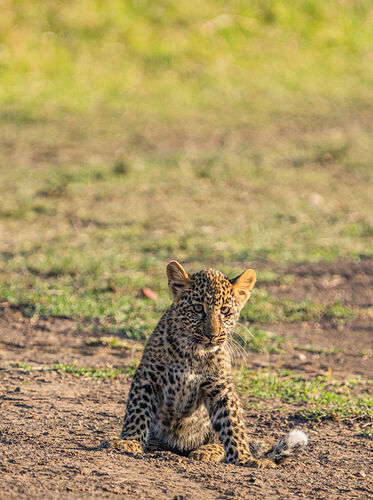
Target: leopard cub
[182,396]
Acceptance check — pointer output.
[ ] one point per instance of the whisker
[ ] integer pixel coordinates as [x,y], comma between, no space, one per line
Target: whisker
[233,352]
[245,328]
[239,349]
[239,357]
[238,346]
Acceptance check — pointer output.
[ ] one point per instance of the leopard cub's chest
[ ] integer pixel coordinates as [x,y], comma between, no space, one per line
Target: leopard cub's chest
[182,393]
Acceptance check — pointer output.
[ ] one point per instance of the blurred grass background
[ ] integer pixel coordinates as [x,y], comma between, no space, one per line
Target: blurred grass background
[185,59]
[133,132]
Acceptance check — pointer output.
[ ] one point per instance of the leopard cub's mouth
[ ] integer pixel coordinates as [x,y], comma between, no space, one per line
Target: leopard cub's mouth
[211,344]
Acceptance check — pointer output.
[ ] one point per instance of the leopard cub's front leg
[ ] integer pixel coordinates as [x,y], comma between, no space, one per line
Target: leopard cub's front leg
[208,453]
[225,414]
[139,412]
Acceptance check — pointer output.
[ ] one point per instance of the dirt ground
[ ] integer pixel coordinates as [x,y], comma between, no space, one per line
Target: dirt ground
[51,422]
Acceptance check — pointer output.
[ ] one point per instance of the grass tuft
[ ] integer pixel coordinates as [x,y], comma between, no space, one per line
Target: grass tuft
[257,340]
[94,372]
[319,398]
[264,308]
[366,433]
[112,342]
[23,367]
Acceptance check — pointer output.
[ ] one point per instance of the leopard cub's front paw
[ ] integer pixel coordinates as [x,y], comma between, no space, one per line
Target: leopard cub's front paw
[208,453]
[123,445]
[260,463]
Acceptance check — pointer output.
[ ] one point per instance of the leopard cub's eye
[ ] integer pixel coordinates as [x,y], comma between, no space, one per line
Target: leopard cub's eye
[225,310]
[198,308]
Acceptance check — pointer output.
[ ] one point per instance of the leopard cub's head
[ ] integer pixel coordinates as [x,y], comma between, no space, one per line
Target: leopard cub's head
[208,303]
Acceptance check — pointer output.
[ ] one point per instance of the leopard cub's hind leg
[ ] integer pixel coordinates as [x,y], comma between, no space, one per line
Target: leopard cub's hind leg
[122,445]
[208,453]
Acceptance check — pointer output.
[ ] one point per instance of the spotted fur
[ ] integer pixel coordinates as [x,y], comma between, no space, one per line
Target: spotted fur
[182,396]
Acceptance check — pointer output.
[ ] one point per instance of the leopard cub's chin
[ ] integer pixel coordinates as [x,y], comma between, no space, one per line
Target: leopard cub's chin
[209,348]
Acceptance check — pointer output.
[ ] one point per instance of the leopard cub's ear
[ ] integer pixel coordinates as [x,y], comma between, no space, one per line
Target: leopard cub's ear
[243,284]
[178,280]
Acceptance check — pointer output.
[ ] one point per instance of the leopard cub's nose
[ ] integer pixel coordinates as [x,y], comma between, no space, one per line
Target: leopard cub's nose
[211,333]
[212,327]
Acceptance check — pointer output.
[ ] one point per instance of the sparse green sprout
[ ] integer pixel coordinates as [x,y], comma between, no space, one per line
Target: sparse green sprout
[94,372]
[318,350]
[24,367]
[365,432]
[112,342]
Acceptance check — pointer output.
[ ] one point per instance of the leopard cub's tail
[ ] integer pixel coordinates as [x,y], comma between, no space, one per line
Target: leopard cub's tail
[289,446]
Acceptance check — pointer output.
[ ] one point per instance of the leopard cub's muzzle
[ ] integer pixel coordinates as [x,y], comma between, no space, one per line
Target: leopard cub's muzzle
[212,333]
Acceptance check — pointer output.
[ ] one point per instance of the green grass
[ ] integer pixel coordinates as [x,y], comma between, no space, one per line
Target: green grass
[94,372]
[264,308]
[150,58]
[317,350]
[267,276]
[24,367]
[121,310]
[113,343]
[74,369]
[132,133]
[367,433]
[316,398]
[257,340]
